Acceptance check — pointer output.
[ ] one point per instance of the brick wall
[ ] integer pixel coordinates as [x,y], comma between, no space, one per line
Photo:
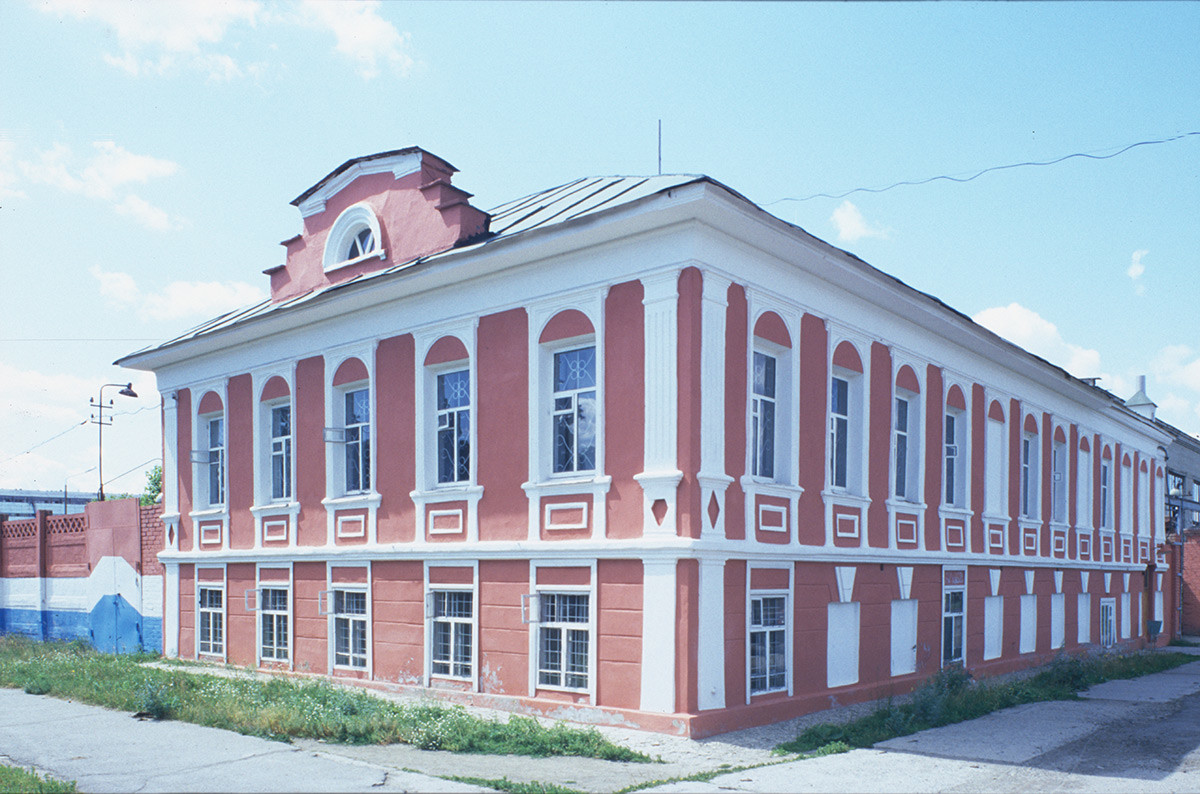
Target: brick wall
[153,534]
[1191,583]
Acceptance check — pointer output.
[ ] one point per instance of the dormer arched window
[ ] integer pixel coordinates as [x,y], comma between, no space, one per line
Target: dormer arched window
[355,237]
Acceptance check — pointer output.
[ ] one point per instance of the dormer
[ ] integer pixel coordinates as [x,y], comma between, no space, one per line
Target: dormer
[371,213]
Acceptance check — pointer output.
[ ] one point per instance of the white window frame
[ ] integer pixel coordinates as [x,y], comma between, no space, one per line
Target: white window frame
[563,627]
[336,616]
[353,220]
[286,454]
[1106,493]
[1030,476]
[758,401]
[912,438]
[961,614]
[1126,486]
[215,647]
[435,374]
[760,628]
[851,424]
[1108,622]
[1084,498]
[471,622]
[552,351]
[276,615]
[995,468]
[953,458]
[365,480]
[1059,481]
[218,450]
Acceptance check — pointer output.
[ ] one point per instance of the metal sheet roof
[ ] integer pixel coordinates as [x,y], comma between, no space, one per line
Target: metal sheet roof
[537,210]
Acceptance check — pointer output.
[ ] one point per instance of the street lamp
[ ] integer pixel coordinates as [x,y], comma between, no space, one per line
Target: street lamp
[98,420]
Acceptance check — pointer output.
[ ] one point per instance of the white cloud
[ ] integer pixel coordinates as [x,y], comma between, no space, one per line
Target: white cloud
[851,225]
[156,37]
[361,34]
[110,170]
[177,300]
[50,442]
[1136,269]
[1041,337]
[8,174]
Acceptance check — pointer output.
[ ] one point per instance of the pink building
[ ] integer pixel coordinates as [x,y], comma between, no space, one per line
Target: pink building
[632,450]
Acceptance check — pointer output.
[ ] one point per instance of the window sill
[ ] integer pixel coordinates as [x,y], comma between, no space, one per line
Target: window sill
[448,493]
[995,518]
[783,490]
[378,253]
[951,511]
[904,504]
[846,498]
[274,508]
[209,513]
[351,501]
[598,484]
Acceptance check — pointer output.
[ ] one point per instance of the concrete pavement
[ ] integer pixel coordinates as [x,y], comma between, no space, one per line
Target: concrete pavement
[1134,735]
[104,750]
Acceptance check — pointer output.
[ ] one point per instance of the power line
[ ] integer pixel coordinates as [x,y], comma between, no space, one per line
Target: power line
[976,175]
[131,471]
[81,339]
[44,443]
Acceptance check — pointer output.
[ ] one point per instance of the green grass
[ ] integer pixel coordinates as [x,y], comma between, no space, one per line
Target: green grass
[513,786]
[832,748]
[1180,642]
[14,780]
[282,709]
[951,696]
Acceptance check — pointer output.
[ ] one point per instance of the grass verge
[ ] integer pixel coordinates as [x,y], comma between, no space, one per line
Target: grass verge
[832,748]
[281,709]
[1180,642]
[14,780]
[514,786]
[951,696]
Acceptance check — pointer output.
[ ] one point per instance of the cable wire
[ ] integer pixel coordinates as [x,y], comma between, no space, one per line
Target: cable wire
[44,443]
[976,175]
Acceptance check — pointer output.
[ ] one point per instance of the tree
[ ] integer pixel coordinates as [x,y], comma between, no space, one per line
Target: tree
[153,486]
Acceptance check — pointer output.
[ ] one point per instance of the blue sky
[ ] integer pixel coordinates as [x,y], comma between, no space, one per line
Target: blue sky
[148,152]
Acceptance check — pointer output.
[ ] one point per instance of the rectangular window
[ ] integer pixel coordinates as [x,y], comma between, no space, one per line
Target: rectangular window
[454,427]
[839,431]
[273,620]
[281,452]
[358,441]
[1027,642]
[762,463]
[216,461]
[1083,490]
[212,620]
[951,460]
[1029,476]
[1058,477]
[563,640]
[453,625]
[1083,608]
[1105,494]
[952,626]
[993,626]
[995,494]
[574,422]
[901,447]
[768,643]
[350,628]
[1108,622]
[904,636]
[1058,620]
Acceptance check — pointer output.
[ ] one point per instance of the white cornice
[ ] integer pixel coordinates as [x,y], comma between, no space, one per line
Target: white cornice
[399,165]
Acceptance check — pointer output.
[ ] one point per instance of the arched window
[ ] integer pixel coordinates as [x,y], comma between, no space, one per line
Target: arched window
[211,427]
[448,379]
[847,420]
[906,436]
[770,400]
[354,237]
[568,341]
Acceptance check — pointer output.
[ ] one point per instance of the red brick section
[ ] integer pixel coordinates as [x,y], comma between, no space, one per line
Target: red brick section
[1191,583]
[153,538]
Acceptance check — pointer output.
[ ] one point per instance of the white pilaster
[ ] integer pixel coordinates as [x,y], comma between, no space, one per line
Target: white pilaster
[710,662]
[658,636]
[171,611]
[712,477]
[661,476]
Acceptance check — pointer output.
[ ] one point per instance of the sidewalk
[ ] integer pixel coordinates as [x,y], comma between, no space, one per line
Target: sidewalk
[104,750]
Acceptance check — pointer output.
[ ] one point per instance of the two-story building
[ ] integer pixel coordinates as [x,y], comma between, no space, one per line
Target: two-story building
[633,450]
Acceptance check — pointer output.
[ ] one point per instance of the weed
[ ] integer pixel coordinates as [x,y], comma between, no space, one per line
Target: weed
[951,696]
[514,786]
[281,709]
[14,780]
